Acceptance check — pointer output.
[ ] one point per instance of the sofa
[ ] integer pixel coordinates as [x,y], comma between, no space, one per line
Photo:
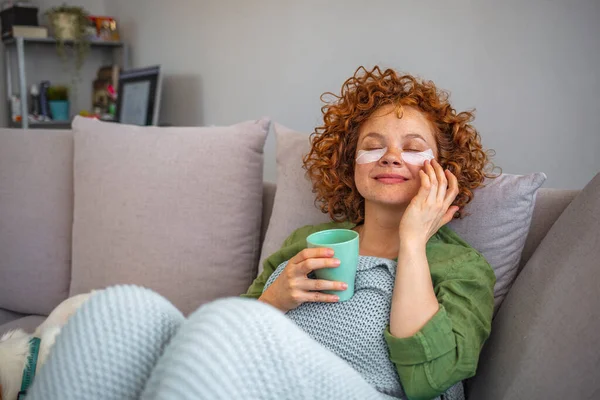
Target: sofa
[103,204]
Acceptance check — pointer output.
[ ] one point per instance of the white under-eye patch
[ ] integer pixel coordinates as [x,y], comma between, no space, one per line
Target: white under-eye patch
[369,156]
[417,158]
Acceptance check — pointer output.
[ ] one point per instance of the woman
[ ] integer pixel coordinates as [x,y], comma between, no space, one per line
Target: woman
[370,168]
[394,162]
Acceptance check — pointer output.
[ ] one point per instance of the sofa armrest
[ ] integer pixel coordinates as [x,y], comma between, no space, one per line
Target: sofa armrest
[549,205]
[544,340]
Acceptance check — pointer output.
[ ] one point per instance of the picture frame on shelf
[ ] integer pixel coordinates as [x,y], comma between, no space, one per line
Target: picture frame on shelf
[138,98]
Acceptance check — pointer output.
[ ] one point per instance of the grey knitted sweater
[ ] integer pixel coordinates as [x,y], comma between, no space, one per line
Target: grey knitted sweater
[353,329]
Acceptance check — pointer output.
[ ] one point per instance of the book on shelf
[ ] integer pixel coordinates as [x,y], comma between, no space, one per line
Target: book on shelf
[44,107]
[37,32]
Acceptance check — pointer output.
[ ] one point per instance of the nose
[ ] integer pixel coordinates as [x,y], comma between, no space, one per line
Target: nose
[391,158]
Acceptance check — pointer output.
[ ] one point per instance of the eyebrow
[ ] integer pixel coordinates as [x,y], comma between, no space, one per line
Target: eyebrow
[409,136]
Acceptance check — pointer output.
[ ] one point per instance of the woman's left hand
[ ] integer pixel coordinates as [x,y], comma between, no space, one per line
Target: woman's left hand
[430,209]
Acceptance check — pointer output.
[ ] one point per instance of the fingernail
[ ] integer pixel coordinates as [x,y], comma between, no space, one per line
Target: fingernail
[337,298]
[344,286]
[336,262]
[330,252]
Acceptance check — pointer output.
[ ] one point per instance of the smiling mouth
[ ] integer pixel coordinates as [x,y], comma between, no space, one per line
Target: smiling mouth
[390,180]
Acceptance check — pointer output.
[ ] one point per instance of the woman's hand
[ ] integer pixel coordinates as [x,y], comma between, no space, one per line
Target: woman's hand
[292,287]
[430,209]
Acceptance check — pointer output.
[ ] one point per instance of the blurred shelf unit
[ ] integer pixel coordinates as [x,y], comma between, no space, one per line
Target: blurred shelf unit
[19,45]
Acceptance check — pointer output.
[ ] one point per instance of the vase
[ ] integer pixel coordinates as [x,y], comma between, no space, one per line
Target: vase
[65,26]
[59,110]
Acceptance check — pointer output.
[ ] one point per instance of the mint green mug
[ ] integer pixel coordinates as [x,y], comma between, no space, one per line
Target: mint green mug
[344,243]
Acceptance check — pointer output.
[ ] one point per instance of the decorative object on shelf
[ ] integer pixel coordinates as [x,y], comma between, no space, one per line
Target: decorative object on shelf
[34,95]
[44,106]
[38,101]
[69,23]
[58,99]
[105,28]
[17,13]
[104,90]
[15,108]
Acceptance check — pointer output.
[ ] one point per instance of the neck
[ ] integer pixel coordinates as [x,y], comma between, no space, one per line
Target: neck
[379,234]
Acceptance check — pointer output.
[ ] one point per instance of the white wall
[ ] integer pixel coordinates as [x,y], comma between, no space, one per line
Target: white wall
[531,68]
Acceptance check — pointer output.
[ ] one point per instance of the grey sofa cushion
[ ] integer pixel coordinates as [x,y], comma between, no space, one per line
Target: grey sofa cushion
[497,227]
[7,316]
[544,341]
[177,210]
[28,324]
[36,213]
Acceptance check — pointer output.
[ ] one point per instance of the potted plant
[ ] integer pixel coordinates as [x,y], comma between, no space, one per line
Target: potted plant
[58,99]
[69,24]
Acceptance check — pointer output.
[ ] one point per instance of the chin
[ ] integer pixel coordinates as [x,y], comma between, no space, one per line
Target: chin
[400,200]
[15,350]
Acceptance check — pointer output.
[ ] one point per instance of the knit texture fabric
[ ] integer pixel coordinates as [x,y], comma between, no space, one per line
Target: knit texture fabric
[244,349]
[128,342]
[108,348]
[353,329]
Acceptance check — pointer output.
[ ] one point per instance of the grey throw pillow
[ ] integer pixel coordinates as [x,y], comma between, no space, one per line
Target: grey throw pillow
[497,224]
[177,210]
[497,227]
[544,342]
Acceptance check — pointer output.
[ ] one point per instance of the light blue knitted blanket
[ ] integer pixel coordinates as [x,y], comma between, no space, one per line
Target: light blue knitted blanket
[353,329]
[129,343]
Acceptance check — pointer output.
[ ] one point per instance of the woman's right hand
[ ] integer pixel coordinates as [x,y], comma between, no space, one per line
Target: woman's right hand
[293,287]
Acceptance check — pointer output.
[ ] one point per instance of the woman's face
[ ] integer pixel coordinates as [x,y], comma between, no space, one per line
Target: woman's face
[390,180]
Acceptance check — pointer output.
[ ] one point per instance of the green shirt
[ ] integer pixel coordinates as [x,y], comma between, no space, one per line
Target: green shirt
[446,350]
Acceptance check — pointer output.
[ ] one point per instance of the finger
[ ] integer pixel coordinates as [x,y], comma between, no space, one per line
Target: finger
[431,197]
[311,264]
[319,297]
[312,252]
[322,284]
[452,191]
[425,185]
[449,215]
[442,181]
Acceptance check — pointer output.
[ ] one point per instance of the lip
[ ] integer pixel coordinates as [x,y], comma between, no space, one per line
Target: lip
[390,178]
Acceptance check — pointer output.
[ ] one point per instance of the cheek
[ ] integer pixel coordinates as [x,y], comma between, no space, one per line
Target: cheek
[414,171]
[361,174]
[416,182]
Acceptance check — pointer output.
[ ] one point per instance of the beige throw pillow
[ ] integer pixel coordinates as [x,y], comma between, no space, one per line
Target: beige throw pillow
[177,210]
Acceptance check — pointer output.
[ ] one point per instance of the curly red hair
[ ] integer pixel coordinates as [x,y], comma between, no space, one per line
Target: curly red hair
[330,162]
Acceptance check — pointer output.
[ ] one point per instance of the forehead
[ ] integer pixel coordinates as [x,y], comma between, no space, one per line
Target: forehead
[385,121]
